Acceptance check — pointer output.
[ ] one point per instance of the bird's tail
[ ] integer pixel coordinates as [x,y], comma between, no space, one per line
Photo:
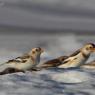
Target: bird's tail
[2,64]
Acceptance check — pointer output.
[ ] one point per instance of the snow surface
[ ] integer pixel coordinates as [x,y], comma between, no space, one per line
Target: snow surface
[42,83]
[51,81]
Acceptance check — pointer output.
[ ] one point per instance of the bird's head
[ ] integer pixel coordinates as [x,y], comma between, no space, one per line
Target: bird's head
[89,48]
[36,51]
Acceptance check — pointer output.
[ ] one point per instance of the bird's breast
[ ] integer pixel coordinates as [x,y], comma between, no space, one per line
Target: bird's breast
[21,66]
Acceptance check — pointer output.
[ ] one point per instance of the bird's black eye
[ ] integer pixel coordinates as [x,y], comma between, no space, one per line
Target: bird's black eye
[90,47]
[37,50]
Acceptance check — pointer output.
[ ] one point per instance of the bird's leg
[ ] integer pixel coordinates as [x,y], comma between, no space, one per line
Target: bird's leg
[11,70]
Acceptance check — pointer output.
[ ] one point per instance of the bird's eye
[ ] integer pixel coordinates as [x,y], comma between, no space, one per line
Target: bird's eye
[90,47]
[37,50]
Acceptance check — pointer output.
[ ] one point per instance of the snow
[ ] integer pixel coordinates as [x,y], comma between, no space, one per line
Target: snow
[41,83]
[50,81]
[71,77]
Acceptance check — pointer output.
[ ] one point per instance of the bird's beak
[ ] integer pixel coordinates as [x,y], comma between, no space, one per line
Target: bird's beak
[93,49]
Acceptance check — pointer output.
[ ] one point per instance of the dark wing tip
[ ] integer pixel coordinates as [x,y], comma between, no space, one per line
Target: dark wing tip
[75,53]
[10,61]
[51,63]
[62,58]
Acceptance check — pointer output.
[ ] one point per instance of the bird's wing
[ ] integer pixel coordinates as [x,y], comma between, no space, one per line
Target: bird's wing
[51,63]
[54,62]
[62,58]
[66,59]
[21,59]
[75,53]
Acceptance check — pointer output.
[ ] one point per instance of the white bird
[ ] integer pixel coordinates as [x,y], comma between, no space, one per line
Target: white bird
[79,57]
[24,62]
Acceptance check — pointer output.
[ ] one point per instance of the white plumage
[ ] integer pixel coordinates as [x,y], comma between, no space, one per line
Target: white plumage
[25,62]
[79,57]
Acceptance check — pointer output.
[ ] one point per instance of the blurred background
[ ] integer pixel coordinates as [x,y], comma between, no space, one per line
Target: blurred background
[59,26]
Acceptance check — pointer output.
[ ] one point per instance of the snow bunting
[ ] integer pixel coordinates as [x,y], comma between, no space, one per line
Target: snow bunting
[25,62]
[90,65]
[79,57]
[54,62]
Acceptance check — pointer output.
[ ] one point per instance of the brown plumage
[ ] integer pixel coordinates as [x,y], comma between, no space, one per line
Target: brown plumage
[21,59]
[62,58]
[54,62]
[75,53]
[10,71]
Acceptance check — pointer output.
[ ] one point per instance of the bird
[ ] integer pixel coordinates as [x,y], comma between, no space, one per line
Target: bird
[24,62]
[90,65]
[53,62]
[79,57]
